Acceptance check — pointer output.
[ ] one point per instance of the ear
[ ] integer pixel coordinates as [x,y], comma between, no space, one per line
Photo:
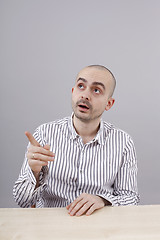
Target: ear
[110,103]
[72,89]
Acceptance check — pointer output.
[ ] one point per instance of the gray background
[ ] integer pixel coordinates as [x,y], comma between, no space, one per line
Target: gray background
[43,45]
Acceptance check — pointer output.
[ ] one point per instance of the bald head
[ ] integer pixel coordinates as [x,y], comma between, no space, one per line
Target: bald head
[109,76]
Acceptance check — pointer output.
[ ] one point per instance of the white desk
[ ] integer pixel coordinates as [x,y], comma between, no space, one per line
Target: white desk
[113,223]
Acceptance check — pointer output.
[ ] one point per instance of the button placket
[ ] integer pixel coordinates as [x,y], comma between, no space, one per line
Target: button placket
[79,166]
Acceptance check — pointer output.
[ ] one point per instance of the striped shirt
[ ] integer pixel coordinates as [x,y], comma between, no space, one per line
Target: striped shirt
[105,166]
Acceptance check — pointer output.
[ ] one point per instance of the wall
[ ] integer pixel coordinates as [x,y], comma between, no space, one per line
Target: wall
[44,44]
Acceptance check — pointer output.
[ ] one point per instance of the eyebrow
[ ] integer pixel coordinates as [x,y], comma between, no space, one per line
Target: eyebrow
[81,79]
[94,83]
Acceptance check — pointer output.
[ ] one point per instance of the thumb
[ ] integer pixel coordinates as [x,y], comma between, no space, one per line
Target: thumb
[31,139]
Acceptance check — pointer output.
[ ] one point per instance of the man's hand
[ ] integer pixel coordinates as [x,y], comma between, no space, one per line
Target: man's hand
[85,203]
[37,155]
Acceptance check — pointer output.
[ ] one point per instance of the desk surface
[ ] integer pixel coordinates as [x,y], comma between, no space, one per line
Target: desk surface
[113,223]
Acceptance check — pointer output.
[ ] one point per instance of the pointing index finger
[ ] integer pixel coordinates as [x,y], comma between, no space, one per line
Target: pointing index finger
[31,139]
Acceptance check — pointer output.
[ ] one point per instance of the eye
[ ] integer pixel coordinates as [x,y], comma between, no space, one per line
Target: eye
[80,86]
[97,91]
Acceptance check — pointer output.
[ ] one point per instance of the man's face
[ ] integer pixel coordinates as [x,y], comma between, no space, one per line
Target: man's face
[91,94]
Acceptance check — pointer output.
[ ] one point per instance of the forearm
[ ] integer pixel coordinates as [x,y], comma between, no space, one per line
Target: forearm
[24,194]
[106,202]
[125,191]
[36,175]
[29,187]
[121,198]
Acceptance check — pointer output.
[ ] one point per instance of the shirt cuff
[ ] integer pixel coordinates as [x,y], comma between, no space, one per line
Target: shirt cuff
[42,176]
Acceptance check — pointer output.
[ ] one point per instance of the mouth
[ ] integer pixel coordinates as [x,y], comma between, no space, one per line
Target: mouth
[83,107]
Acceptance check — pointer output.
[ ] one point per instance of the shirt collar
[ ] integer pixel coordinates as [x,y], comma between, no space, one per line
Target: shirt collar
[100,136]
[72,130]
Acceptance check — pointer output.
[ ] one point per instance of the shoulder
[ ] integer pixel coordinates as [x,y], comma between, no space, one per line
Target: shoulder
[115,132]
[56,123]
[46,130]
[118,138]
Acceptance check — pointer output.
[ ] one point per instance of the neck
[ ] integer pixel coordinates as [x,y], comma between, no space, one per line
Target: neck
[87,130]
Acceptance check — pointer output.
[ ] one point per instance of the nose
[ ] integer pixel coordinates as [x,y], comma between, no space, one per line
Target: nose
[86,95]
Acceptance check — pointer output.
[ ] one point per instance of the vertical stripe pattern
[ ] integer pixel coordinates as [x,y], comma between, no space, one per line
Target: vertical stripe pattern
[106,166]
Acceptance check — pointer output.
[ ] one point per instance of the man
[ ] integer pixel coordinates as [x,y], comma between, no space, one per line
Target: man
[80,162]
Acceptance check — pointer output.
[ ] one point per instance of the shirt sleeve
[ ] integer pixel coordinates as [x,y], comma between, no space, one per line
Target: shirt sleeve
[24,191]
[125,191]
